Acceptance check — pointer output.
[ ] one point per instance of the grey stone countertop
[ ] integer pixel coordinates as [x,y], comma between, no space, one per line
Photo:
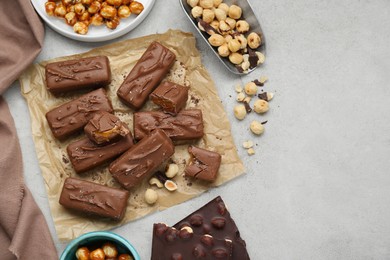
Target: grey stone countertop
[318,186]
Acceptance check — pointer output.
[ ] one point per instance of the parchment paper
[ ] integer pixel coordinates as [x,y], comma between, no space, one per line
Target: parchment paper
[52,156]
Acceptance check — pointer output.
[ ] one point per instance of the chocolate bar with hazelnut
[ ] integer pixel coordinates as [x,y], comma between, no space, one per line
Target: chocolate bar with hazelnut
[72,116]
[141,160]
[105,127]
[170,243]
[85,155]
[147,73]
[204,164]
[214,219]
[187,125]
[171,97]
[94,199]
[65,76]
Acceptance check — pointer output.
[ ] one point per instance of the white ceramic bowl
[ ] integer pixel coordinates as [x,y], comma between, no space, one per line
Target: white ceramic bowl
[95,33]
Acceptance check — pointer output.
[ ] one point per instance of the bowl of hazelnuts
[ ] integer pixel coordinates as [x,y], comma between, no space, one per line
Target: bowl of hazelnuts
[232,31]
[100,245]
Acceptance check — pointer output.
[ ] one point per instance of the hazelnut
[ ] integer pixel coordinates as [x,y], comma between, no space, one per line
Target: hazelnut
[136,7]
[242,26]
[108,12]
[224,7]
[110,250]
[224,27]
[188,229]
[263,79]
[60,10]
[245,65]
[84,17]
[238,88]
[235,12]
[197,11]
[115,3]
[170,185]
[215,24]
[155,181]
[206,3]
[247,144]
[50,7]
[235,58]
[223,50]
[80,28]
[124,11]
[261,106]
[257,128]
[247,99]
[82,253]
[172,170]
[234,45]
[94,7]
[254,40]
[97,19]
[192,3]
[97,254]
[240,97]
[217,2]
[113,23]
[240,112]
[228,37]
[70,18]
[216,40]
[209,31]
[231,22]
[208,15]
[261,57]
[242,40]
[270,96]
[251,151]
[250,88]
[220,14]
[151,196]
[125,257]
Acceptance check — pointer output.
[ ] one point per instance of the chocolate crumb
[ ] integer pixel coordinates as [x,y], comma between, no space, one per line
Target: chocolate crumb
[64,159]
[263,123]
[194,100]
[258,83]
[61,175]
[161,177]
[263,96]
[247,107]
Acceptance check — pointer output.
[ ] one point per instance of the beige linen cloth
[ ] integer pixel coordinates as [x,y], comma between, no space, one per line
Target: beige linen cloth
[23,231]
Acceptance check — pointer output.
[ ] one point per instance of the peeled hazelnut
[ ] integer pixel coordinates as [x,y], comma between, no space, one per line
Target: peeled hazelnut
[155,181]
[79,8]
[247,144]
[97,19]
[206,3]
[254,40]
[224,7]
[234,45]
[257,128]
[125,257]
[197,11]
[151,196]
[242,26]
[235,58]
[223,50]
[261,57]
[217,2]
[192,3]
[108,12]
[231,22]
[228,37]
[251,151]
[220,14]
[215,24]
[70,18]
[80,28]
[84,17]
[270,96]
[60,10]
[82,253]
[188,229]
[50,7]
[94,7]
[235,12]
[97,254]
[247,99]
[216,40]
[124,11]
[263,79]
[260,106]
[242,40]
[240,112]
[115,3]
[208,15]
[172,170]
[250,88]
[113,23]
[170,185]
[136,7]
[240,97]
[245,65]
[223,26]
[110,249]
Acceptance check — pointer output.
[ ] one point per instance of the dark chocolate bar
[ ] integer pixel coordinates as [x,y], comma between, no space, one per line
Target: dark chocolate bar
[150,69]
[64,76]
[186,125]
[85,155]
[105,128]
[214,219]
[171,97]
[204,164]
[94,199]
[170,243]
[71,117]
[140,161]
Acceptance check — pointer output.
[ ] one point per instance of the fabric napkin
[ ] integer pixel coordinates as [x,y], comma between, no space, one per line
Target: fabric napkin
[23,230]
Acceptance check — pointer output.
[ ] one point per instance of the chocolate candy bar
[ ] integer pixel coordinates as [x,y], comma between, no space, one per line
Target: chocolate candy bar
[146,75]
[105,128]
[86,155]
[187,125]
[214,219]
[71,117]
[94,199]
[204,164]
[170,97]
[64,76]
[142,159]
[170,243]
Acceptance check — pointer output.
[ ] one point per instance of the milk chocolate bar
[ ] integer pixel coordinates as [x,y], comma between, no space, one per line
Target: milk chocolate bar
[214,219]
[85,155]
[105,127]
[186,125]
[71,117]
[64,76]
[140,161]
[170,243]
[147,73]
[94,199]
[171,97]
[204,164]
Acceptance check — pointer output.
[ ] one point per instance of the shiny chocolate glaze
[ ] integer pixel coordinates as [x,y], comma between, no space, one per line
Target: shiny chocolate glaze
[204,164]
[171,97]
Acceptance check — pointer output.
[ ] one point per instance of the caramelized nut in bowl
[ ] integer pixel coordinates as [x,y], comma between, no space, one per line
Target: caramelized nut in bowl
[242,48]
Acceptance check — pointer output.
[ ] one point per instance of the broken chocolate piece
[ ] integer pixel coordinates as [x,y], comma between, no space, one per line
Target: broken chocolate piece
[204,164]
[253,58]
[258,83]
[94,199]
[171,97]
[263,96]
[247,107]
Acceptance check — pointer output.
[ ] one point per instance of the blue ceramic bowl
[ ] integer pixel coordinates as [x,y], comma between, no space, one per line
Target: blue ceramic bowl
[99,237]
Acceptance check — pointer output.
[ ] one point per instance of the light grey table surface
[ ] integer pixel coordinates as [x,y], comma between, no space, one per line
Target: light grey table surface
[319,184]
